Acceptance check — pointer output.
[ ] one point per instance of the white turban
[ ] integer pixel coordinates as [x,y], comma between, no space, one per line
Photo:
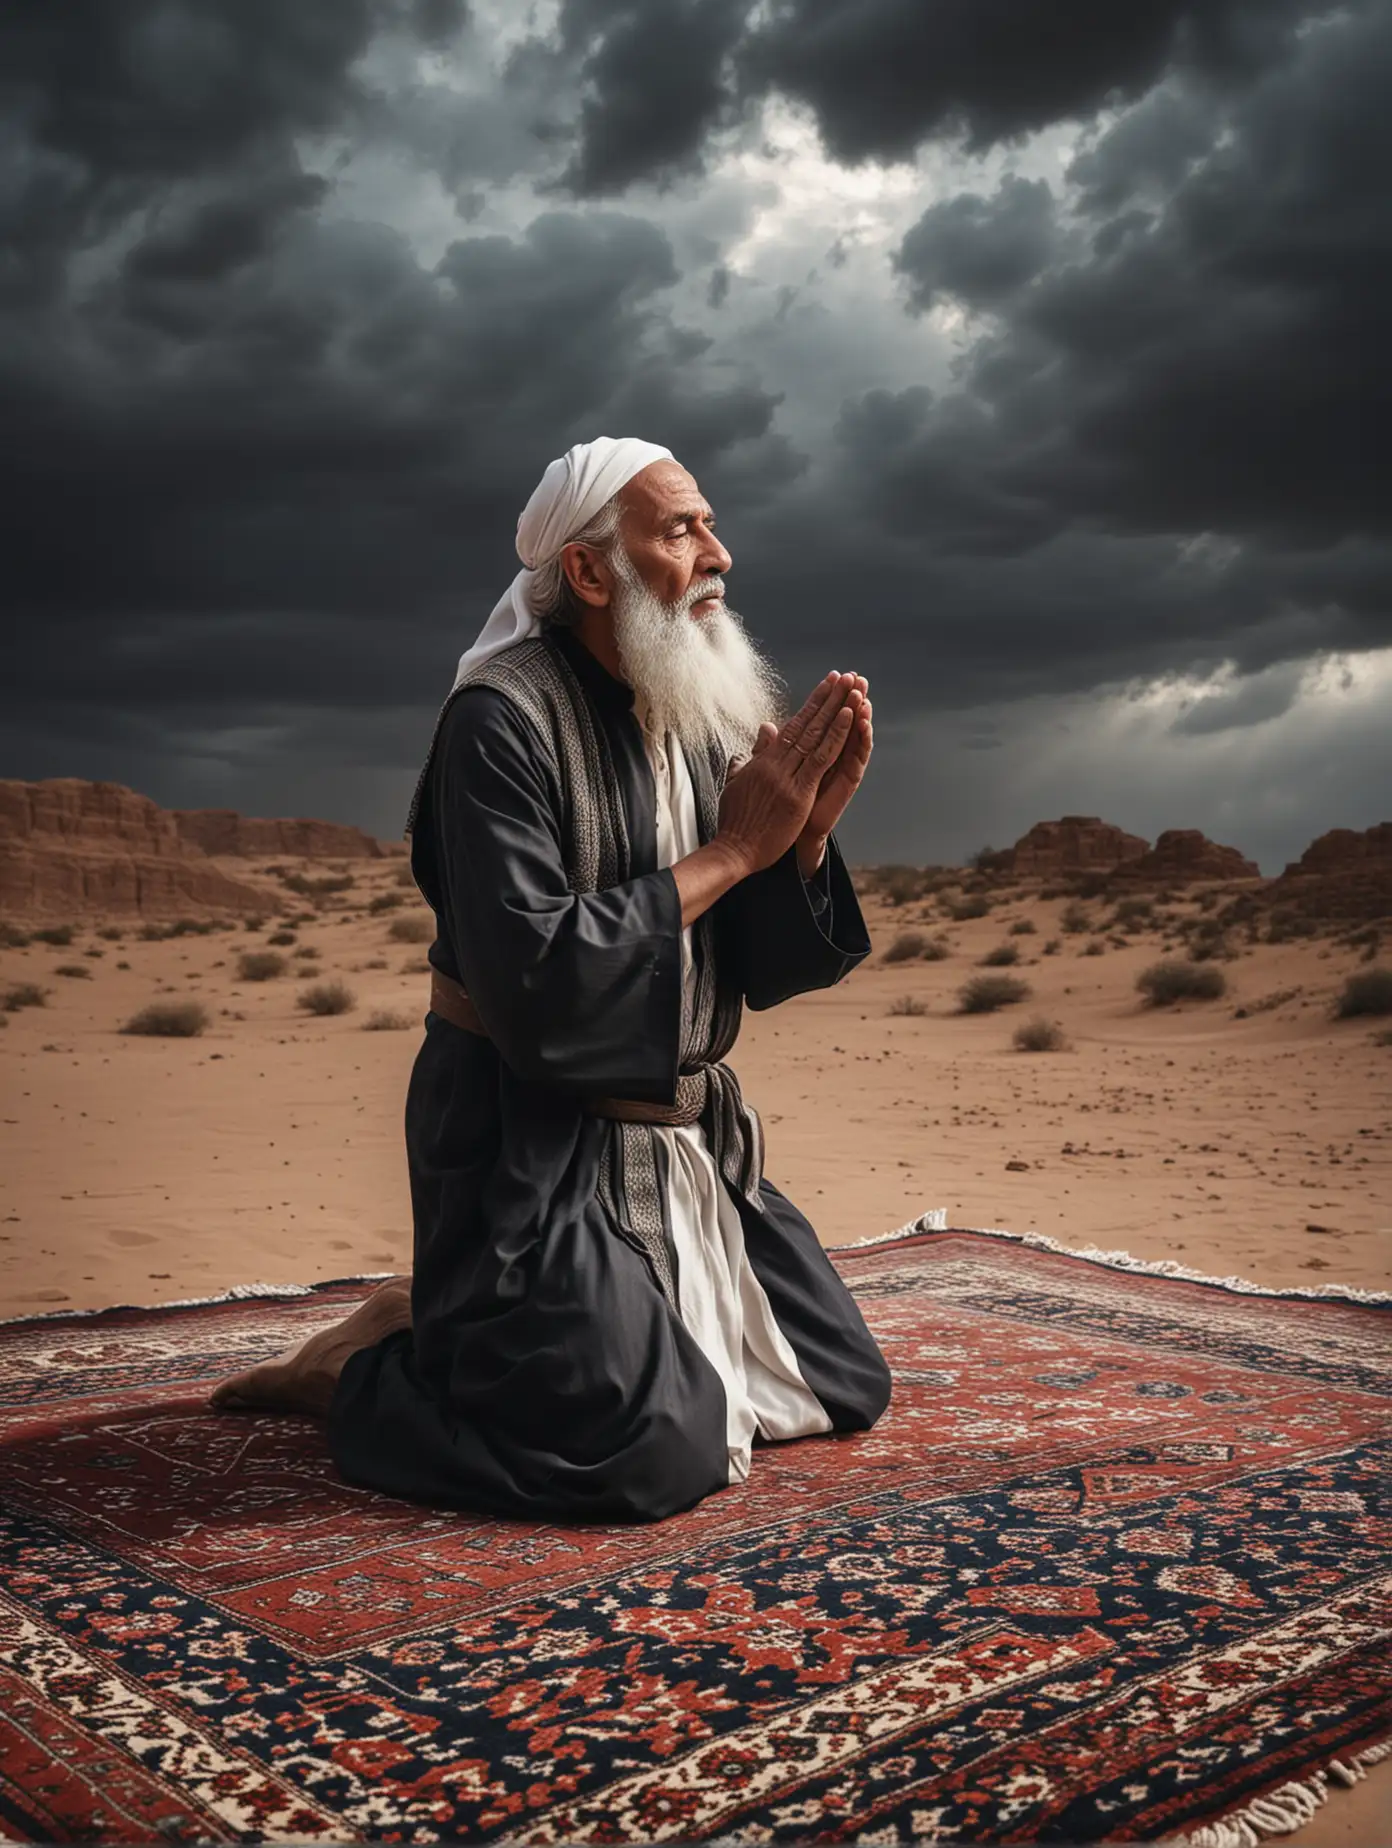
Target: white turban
[568,496]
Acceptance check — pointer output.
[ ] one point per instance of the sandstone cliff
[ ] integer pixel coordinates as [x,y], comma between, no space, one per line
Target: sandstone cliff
[1183,854]
[69,847]
[1343,874]
[1073,844]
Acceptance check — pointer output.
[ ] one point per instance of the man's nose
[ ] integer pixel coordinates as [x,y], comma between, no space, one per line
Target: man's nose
[715,561]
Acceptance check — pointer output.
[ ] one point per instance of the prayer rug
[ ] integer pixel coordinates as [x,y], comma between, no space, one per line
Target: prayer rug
[1110,1567]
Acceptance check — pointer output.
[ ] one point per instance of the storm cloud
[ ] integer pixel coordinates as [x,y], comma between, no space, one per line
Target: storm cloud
[1035,357]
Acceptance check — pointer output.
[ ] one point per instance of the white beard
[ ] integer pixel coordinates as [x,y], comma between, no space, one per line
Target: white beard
[700,677]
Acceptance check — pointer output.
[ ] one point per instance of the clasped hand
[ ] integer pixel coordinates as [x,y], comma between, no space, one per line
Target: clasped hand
[799,777]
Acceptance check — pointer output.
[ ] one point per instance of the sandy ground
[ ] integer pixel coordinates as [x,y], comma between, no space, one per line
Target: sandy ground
[140,1170]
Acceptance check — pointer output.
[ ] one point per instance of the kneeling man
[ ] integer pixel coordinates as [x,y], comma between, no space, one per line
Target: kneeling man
[623,847]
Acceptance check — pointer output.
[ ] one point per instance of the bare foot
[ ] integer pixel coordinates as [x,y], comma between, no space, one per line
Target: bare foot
[303,1379]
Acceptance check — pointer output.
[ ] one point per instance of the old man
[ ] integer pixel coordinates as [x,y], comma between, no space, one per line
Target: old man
[624,844]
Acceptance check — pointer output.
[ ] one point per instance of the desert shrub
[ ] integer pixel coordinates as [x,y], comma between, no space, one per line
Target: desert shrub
[906,946]
[320,885]
[1208,942]
[1131,912]
[182,927]
[908,1004]
[306,952]
[376,962]
[169,1020]
[1050,892]
[281,938]
[1368,992]
[1090,885]
[1002,957]
[12,937]
[387,1020]
[1206,899]
[327,998]
[93,954]
[1038,1035]
[1166,982]
[1093,949]
[992,859]
[260,965]
[1076,919]
[75,972]
[937,949]
[404,875]
[1052,946]
[24,994]
[123,965]
[60,935]
[899,885]
[253,923]
[414,929]
[385,901]
[1022,927]
[983,994]
[1379,1039]
[976,906]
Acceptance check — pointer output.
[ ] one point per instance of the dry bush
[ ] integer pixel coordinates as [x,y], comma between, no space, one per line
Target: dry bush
[1052,947]
[253,923]
[1379,1039]
[1164,983]
[908,945]
[24,994]
[1208,942]
[306,953]
[75,972]
[182,927]
[305,887]
[376,962]
[1004,956]
[281,938]
[1206,899]
[1076,919]
[1038,1035]
[386,1020]
[961,909]
[12,937]
[169,1020]
[898,885]
[260,965]
[983,994]
[123,965]
[909,1005]
[94,954]
[1022,927]
[414,929]
[385,901]
[1368,992]
[1132,913]
[60,935]
[327,998]
[1093,949]
[937,949]
[111,933]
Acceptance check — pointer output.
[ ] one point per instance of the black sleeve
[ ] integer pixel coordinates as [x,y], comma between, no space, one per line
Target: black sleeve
[581,991]
[786,935]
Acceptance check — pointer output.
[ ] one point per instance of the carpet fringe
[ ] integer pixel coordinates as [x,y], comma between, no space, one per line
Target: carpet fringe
[239,1292]
[1283,1810]
[936,1221]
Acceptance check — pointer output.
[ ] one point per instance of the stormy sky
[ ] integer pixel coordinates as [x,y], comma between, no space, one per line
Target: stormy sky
[1034,353]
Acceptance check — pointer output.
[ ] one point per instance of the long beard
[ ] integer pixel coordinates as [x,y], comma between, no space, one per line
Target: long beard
[700,677]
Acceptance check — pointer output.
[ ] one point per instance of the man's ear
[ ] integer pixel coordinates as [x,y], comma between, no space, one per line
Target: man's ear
[588,574]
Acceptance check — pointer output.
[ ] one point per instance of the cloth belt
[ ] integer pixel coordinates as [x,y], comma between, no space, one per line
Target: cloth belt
[454,1004]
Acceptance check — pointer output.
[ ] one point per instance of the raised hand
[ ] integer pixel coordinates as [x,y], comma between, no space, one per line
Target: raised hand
[841,779]
[768,798]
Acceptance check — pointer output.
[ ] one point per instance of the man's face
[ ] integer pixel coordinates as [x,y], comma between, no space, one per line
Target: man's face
[668,532]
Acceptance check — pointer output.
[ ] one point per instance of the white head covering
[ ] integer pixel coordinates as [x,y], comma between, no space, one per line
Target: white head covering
[568,496]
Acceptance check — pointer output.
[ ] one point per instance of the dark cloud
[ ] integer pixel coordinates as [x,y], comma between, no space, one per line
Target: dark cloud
[264,457]
[980,251]
[654,81]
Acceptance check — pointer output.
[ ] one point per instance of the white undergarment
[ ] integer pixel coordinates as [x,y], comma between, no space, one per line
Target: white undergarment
[723,1305]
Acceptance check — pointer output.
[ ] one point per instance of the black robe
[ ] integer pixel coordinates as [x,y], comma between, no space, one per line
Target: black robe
[546,1374]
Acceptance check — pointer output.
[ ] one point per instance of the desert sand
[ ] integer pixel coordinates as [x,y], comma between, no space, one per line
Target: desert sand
[269,1149]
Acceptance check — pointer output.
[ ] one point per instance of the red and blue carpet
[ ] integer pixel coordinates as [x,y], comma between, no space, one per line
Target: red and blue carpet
[1110,1567]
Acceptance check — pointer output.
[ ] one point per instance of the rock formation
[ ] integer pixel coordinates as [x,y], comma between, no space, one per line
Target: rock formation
[1342,875]
[1073,844]
[224,831]
[69,847]
[1182,854]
